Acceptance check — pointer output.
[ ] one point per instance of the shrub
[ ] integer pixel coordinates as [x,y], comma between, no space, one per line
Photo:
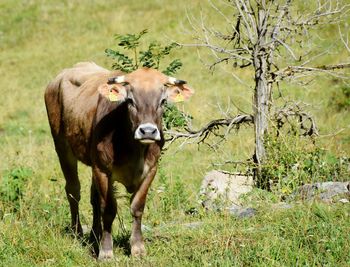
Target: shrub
[293,161]
[169,195]
[13,186]
[173,117]
[151,57]
[341,98]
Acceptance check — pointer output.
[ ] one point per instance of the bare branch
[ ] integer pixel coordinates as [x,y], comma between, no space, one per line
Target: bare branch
[250,29]
[219,12]
[288,48]
[345,42]
[293,70]
[312,58]
[325,11]
[233,53]
[211,128]
[295,110]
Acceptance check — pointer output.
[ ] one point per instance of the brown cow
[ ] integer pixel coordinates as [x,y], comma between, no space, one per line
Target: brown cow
[112,122]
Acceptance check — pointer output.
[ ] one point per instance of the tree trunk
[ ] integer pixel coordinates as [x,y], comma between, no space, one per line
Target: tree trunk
[262,96]
[261,115]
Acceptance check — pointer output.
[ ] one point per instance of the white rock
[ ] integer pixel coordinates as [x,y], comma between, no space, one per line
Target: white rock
[219,189]
[344,200]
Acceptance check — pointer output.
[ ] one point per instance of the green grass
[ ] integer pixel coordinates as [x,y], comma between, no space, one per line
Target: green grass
[308,234]
[38,39]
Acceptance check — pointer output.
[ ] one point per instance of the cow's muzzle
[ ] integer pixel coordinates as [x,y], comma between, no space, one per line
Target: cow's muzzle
[147,133]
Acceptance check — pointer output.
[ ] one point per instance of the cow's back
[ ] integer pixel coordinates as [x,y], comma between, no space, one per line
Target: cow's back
[71,101]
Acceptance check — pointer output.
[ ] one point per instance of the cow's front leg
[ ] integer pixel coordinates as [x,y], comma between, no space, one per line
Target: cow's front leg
[137,206]
[108,210]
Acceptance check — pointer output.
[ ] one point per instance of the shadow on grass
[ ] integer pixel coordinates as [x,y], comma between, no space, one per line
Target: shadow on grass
[122,241]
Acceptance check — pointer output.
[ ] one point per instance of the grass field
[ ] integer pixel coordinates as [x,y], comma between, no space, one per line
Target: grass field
[38,38]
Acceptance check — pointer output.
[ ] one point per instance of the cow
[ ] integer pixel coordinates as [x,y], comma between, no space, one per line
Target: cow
[111,121]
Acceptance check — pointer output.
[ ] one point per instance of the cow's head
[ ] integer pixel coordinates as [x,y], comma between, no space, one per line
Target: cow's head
[145,91]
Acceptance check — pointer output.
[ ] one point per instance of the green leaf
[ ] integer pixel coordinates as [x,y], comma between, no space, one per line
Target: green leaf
[174,118]
[147,59]
[123,62]
[173,67]
[129,41]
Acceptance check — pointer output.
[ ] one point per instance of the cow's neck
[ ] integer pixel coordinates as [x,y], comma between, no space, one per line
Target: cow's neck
[132,160]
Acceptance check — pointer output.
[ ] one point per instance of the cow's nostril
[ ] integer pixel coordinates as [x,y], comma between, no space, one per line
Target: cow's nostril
[148,130]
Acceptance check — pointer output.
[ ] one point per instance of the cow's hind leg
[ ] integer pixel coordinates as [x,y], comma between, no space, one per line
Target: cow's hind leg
[104,206]
[70,171]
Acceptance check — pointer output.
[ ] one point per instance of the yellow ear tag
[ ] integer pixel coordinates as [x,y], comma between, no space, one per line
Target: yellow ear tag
[113,97]
[179,98]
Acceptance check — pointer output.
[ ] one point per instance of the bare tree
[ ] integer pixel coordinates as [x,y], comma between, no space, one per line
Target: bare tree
[264,35]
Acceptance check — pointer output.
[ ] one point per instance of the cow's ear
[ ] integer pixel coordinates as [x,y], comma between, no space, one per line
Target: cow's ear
[113,92]
[179,93]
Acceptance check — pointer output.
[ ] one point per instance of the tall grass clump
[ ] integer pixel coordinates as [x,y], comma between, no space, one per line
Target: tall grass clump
[293,161]
[174,195]
[340,99]
[169,197]
[12,187]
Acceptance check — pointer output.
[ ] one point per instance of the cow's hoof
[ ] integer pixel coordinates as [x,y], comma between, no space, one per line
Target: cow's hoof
[105,254]
[138,250]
